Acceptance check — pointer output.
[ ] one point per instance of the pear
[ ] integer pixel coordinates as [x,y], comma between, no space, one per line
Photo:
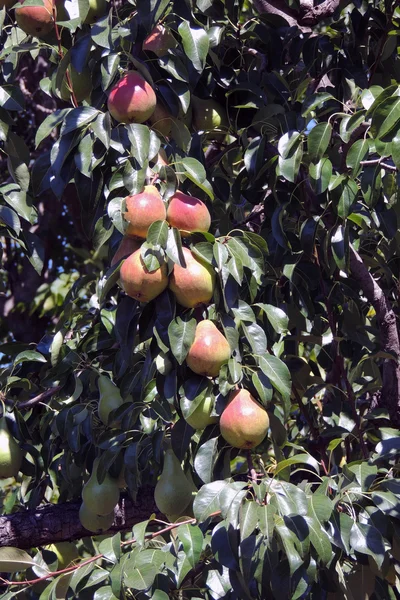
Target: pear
[209,351]
[10,453]
[93,522]
[209,116]
[142,210]
[244,423]
[35,20]
[97,8]
[100,497]
[194,284]
[201,416]
[127,246]
[188,214]
[140,283]
[159,40]
[161,120]
[132,99]
[110,398]
[81,84]
[173,491]
[66,553]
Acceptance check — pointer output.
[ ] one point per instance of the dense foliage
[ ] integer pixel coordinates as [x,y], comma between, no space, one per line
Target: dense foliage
[301,180]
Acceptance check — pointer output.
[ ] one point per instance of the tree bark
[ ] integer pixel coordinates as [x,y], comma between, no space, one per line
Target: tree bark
[390,342]
[60,522]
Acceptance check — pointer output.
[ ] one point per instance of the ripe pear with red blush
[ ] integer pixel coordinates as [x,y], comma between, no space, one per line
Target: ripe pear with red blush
[244,423]
[132,99]
[194,284]
[188,214]
[35,20]
[140,283]
[127,246]
[159,40]
[209,351]
[142,210]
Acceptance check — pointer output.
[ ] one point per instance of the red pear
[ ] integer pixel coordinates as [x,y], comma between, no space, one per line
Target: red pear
[127,246]
[142,210]
[188,214]
[132,99]
[35,20]
[140,283]
[244,423]
[159,40]
[193,284]
[209,351]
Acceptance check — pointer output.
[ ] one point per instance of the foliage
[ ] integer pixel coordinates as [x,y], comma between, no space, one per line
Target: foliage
[305,176]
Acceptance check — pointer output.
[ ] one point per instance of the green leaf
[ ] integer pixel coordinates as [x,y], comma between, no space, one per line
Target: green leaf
[343,191]
[318,141]
[157,234]
[288,143]
[207,499]
[288,542]
[10,218]
[359,151]
[320,175]
[192,541]
[14,559]
[139,137]
[340,247]
[50,123]
[289,167]
[319,539]
[78,118]
[181,332]
[314,101]
[248,518]
[385,117]
[276,316]
[366,539]
[278,373]
[29,355]
[195,44]
[304,459]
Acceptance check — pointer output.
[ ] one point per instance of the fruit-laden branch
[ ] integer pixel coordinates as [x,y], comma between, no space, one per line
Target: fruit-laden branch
[60,522]
[390,342]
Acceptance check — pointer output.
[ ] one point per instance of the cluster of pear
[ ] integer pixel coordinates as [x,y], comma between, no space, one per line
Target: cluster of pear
[243,424]
[99,499]
[39,20]
[192,285]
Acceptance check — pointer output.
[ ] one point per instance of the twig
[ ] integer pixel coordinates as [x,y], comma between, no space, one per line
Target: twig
[39,398]
[378,161]
[252,471]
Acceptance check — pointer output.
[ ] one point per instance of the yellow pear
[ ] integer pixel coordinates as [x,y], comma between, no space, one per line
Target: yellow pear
[100,497]
[10,453]
[201,416]
[209,351]
[173,491]
[244,423]
[93,522]
[194,284]
[110,398]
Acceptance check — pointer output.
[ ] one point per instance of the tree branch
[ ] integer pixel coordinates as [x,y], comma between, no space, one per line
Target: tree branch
[39,398]
[390,342]
[60,522]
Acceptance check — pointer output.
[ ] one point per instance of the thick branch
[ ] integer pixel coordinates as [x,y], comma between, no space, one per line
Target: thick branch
[279,8]
[60,522]
[390,342]
[309,13]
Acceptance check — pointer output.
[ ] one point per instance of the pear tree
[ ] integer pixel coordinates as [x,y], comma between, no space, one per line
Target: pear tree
[199,332]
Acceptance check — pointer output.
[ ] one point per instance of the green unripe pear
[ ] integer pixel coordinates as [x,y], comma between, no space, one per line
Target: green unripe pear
[81,84]
[100,497]
[110,398]
[201,416]
[66,553]
[93,522]
[97,9]
[10,453]
[173,492]
[209,115]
